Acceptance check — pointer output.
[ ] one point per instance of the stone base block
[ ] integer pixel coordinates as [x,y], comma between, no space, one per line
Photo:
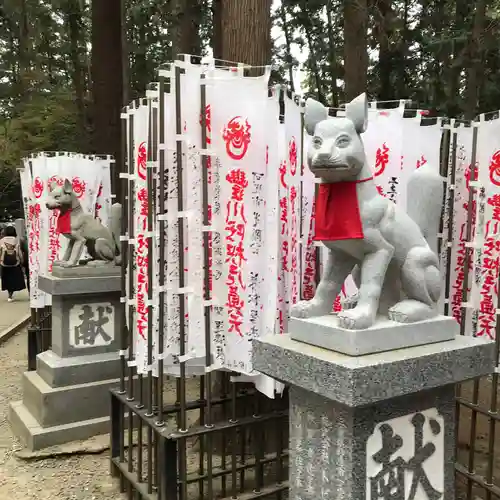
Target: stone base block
[52,406]
[341,452]
[36,437]
[384,335]
[86,271]
[364,380]
[62,372]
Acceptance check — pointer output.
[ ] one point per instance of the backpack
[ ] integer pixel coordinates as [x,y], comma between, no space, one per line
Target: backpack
[10,255]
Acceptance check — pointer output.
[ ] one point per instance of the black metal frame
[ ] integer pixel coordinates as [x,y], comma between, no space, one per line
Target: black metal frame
[39,334]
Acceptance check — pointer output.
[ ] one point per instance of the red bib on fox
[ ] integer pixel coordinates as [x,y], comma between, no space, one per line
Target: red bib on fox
[64,222]
[337,212]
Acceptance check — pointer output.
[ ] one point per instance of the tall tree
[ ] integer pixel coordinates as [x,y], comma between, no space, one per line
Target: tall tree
[355,47]
[74,24]
[186,20]
[246,31]
[107,81]
[475,51]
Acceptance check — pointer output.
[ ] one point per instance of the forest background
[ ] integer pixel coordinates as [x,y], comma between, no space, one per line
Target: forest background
[68,66]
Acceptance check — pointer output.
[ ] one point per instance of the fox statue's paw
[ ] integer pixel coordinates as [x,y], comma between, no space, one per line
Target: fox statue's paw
[310,309]
[410,311]
[359,318]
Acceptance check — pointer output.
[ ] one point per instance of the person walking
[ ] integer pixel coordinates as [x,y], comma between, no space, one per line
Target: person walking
[11,261]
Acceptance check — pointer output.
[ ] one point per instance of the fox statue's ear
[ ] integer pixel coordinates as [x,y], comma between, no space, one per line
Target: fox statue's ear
[67,186]
[52,186]
[357,112]
[315,112]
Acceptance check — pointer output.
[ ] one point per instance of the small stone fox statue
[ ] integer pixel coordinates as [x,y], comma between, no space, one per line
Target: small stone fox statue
[83,230]
[391,251]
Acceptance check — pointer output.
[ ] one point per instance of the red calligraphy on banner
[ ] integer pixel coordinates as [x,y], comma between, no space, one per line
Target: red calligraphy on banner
[98,206]
[142,160]
[490,273]
[236,135]
[470,174]
[142,285]
[235,251]
[456,296]
[54,244]
[495,168]
[381,159]
[34,235]
[142,245]
[422,161]
[294,236]
[208,123]
[309,281]
[381,191]
[292,155]
[37,187]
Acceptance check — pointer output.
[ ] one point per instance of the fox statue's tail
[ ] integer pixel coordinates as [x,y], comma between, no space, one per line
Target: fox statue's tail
[115,223]
[425,202]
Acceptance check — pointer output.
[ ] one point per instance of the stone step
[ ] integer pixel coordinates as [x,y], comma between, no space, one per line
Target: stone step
[64,405]
[25,426]
[62,372]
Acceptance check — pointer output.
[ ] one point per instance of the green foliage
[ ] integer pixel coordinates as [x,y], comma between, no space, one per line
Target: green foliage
[418,49]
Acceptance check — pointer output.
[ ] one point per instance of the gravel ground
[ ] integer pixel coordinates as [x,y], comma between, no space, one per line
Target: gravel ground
[79,477]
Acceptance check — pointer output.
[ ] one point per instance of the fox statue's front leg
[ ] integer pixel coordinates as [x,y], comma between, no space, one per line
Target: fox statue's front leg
[338,266]
[373,269]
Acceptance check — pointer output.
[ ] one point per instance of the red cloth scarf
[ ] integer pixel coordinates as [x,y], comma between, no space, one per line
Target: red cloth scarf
[337,212]
[64,222]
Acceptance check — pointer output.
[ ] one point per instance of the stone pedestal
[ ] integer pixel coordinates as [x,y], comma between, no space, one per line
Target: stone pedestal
[375,426]
[67,397]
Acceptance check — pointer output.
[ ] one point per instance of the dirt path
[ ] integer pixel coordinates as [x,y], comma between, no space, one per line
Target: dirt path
[84,477]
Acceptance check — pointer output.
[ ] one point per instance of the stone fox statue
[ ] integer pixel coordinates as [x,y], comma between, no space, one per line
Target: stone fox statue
[392,253]
[83,230]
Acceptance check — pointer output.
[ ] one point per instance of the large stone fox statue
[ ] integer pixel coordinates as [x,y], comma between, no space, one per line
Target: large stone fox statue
[391,253]
[83,230]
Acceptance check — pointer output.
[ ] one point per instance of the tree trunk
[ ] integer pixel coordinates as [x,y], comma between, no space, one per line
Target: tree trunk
[314,67]
[107,82]
[24,52]
[246,31]
[332,56]
[475,58]
[125,55]
[288,43]
[185,27]
[386,60]
[217,28]
[462,8]
[74,22]
[355,47]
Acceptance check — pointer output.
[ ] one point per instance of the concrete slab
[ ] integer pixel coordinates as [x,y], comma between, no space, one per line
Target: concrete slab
[35,437]
[52,406]
[61,372]
[384,335]
[362,380]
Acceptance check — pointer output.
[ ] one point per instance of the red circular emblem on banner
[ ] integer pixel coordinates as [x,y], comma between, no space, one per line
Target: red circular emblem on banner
[79,187]
[495,168]
[37,187]
[56,179]
[237,136]
[292,155]
[141,160]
